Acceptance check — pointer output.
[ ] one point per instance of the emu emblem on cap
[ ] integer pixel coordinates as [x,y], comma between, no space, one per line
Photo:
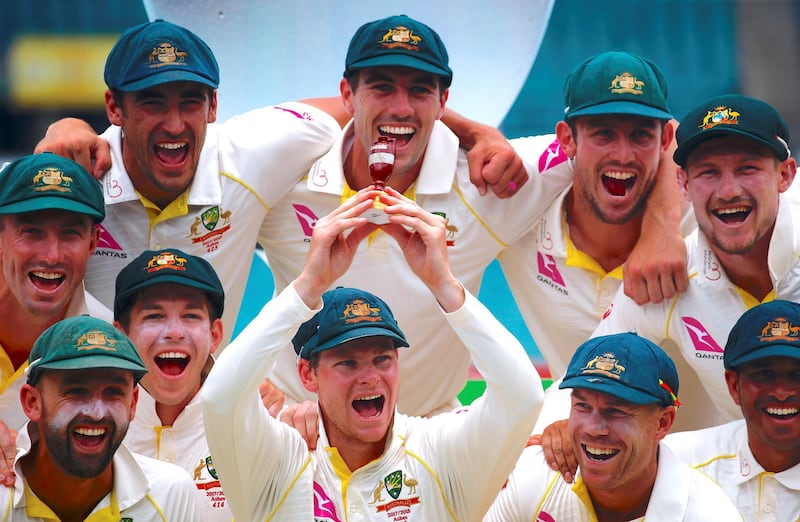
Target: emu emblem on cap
[720,116]
[359,311]
[605,364]
[401,36]
[51,178]
[94,340]
[780,329]
[166,54]
[626,83]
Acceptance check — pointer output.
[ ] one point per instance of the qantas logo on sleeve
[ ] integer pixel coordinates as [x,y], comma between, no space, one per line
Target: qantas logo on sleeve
[549,269]
[107,246]
[306,217]
[553,156]
[324,509]
[704,345]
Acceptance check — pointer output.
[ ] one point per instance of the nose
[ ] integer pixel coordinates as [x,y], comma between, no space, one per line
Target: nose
[50,249]
[173,121]
[368,374]
[596,424]
[729,186]
[174,330]
[783,388]
[94,408]
[400,105]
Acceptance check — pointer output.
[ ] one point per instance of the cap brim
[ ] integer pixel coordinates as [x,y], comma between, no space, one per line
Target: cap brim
[122,300]
[610,387]
[400,60]
[94,361]
[40,203]
[162,77]
[685,149]
[775,350]
[357,333]
[622,107]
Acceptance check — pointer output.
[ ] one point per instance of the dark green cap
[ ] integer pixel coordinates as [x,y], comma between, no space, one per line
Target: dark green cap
[159,52]
[154,267]
[80,343]
[770,329]
[616,82]
[347,314]
[626,366]
[398,41]
[731,115]
[47,181]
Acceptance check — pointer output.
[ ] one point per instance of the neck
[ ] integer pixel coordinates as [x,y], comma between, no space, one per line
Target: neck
[168,413]
[748,271]
[608,244]
[772,459]
[627,501]
[47,480]
[17,342]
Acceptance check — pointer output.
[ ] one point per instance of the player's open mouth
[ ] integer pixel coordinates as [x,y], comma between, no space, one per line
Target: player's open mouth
[618,183]
[171,152]
[782,413]
[172,363]
[370,406]
[598,454]
[89,437]
[733,215]
[46,280]
[401,133]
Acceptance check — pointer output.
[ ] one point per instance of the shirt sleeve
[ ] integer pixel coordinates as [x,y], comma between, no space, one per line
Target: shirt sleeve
[484,441]
[256,456]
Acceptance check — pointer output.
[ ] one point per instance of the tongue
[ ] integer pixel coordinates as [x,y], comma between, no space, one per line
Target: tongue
[366,408]
[171,366]
[615,186]
[171,156]
[45,284]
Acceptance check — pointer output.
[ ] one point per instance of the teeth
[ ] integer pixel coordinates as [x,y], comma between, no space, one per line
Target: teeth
[734,210]
[48,275]
[619,175]
[600,451]
[90,432]
[172,355]
[396,130]
[782,411]
[371,397]
[171,146]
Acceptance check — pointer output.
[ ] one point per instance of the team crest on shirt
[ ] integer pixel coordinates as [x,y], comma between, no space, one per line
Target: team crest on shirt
[51,178]
[452,230]
[395,484]
[720,115]
[780,329]
[210,486]
[626,83]
[215,222]
[605,364]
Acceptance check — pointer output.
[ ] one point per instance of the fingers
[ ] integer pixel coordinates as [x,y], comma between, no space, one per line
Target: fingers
[476,176]
[303,417]
[8,446]
[510,175]
[558,450]
[272,398]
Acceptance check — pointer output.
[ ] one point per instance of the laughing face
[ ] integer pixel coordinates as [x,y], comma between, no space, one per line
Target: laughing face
[616,440]
[733,183]
[164,130]
[616,160]
[82,416]
[172,329]
[398,102]
[356,385]
[768,391]
[44,258]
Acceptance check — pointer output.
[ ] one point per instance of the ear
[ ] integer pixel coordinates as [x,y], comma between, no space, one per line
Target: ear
[31,399]
[212,109]
[683,181]
[565,139]
[113,111]
[665,421]
[668,136]
[442,103]
[347,95]
[95,238]
[216,334]
[307,375]
[788,170]
[134,401]
[732,380]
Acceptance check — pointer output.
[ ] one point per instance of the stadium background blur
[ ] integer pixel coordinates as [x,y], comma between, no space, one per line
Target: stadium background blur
[53,53]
